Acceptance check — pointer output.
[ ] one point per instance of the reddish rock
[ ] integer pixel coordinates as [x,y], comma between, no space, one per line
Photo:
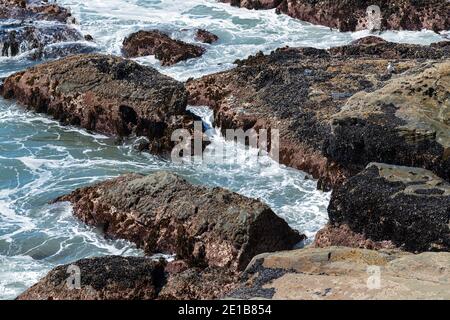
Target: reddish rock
[106,94]
[206,227]
[205,36]
[351,15]
[33,9]
[299,91]
[169,51]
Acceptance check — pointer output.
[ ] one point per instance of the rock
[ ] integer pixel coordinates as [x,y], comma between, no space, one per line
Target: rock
[107,278]
[353,15]
[406,122]
[205,36]
[88,37]
[34,10]
[106,94]
[299,90]
[169,51]
[203,226]
[61,50]
[340,273]
[409,207]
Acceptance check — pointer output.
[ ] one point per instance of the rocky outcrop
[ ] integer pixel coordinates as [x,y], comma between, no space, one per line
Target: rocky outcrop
[406,122]
[408,207]
[206,227]
[354,15]
[300,92]
[106,94]
[107,278]
[35,10]
[165,49]
[205,36]
[340,273]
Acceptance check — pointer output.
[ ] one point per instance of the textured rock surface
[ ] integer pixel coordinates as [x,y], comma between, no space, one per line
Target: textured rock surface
[351,15]
[205,36]
[33,9]
[406,122]
[169,51]
[203,226]
[344,273]
[409,207]
[107,278]
[106,94]
[300,90]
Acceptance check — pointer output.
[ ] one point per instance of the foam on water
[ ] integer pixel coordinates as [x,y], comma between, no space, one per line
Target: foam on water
[40,159]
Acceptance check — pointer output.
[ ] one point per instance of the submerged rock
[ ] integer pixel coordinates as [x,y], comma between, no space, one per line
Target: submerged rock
[165,49]
[300,92]
[205,36]
[206,227]
[339,273]
[106,94]
[107,278]
[409,207]
[355,15]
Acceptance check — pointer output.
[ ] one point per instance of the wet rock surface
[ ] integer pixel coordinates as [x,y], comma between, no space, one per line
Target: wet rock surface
[205,36]
[345,273]
[165,49]
[106,94]
[35,10]
[409,207]
[107,278]
[206,227]
[300,90]
[353,15]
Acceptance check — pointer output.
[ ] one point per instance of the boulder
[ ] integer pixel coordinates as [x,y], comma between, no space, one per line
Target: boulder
[106,278]
[161,212]
[339,273]
[300,90]
[353,15]
[408,207]
[165,49]
[34,10]
[205,36]
[106,94]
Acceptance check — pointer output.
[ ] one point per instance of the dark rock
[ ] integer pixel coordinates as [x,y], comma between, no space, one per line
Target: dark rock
[205,36]
[408,206]
[106,94]
[107,278]
[88,37]
[33,9]
[203,226]
[299,90]
[352,15]
[169,51]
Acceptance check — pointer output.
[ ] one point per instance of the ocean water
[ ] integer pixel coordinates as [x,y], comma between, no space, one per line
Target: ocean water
[40,159]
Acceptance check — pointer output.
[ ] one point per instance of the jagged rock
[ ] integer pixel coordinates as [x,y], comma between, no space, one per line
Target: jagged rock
[107,278]
[106,94]
[340,273]
[299,90]
[35,10]
[205,36]
[169,51]
[406,122]
[409,207]
[353,15]
[206,227]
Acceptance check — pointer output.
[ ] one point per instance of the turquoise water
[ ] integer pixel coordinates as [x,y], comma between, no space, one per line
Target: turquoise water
[40,159]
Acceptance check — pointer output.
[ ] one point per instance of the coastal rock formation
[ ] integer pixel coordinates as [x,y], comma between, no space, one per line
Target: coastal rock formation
[107,278]
[165,49]
[34,10]
[409,207]
[353,15]
[300,90]
[106,94]
[205,36]
[406,122]
[206,227]
[343,273]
